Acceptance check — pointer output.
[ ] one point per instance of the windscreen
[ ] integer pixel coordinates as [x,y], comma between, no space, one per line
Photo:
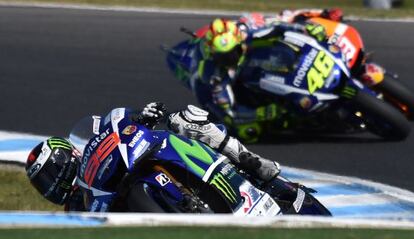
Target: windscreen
[83,131]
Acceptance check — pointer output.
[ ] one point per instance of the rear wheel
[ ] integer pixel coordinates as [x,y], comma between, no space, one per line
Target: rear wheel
[398,95]
[381,118]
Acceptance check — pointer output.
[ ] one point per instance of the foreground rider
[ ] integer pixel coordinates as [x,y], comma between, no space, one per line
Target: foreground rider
[53,165]
[220,51]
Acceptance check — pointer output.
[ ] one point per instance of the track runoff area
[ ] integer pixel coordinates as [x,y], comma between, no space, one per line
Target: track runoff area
[353,202]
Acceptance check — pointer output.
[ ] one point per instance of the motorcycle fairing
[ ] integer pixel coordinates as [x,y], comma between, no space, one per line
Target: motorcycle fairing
[189,154]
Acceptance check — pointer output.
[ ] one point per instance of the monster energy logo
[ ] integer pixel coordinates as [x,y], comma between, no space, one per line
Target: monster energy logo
[221,184]
[348,92]
[58,143]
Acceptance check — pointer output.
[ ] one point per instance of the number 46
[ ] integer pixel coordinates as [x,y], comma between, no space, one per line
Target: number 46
[322,67]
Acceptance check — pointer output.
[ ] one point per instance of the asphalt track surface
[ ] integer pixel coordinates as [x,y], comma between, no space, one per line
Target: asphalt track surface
[58,65]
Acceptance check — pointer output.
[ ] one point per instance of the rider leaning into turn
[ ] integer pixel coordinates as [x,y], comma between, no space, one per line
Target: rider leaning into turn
[53,165]
[220,51]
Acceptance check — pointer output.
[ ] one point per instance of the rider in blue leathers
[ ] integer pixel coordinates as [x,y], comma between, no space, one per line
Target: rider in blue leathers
[54,167]
[216,57]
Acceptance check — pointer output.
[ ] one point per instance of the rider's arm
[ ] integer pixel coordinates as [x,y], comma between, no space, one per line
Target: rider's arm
[215,93]
[272,31]
[276,30]
[75,202]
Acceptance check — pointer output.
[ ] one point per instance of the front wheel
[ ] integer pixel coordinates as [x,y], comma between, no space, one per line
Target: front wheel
[140,199]
[185,194]
[399,95]
[381,118]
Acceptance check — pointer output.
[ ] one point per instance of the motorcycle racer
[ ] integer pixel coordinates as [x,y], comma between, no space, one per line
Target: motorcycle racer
[53,166]
[219,52]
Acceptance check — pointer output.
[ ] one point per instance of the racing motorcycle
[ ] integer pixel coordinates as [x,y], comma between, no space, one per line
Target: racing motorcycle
[313,80]
[382,81]
[159,171]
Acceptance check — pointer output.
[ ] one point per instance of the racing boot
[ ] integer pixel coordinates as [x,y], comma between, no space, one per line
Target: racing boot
[193,123]
[259,167]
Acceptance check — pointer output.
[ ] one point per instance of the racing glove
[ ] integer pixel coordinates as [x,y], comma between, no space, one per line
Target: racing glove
[152,114]
[317,31]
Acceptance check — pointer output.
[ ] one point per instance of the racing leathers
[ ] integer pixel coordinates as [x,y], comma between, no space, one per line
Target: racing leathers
[218,87]
[101,199]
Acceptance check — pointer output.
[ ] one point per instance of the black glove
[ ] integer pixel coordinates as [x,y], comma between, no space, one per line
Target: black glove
[152,114]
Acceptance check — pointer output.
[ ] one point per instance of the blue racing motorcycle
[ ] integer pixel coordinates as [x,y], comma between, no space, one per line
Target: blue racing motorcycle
[311,80]
[127,167]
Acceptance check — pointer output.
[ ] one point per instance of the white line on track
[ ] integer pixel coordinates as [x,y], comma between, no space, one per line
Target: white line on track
[166,10]
[351,200]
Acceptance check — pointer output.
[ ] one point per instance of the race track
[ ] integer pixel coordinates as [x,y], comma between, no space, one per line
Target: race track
[58,65]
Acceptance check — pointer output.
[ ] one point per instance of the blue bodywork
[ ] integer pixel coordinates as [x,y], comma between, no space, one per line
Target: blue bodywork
[120,146]
[137,143]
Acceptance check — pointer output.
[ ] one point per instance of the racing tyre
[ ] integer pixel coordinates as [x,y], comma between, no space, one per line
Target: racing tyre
[381,118]
[140,199]
[399,95]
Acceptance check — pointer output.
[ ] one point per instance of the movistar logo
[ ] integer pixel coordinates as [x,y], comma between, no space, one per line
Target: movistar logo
[58,143]
[193,150]
[300,75]
[221,184]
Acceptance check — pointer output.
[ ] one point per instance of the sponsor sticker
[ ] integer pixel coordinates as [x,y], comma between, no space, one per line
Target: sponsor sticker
[44,155]
[162,179]
[96,123]
[140,149]
[247,201]
[297,204]
[136,138]
[305,102]
[304,68]
[130,129]
[334,49]
[268,204]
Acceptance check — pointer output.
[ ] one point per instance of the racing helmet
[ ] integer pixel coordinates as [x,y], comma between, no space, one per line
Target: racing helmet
[223,40]
[51,167]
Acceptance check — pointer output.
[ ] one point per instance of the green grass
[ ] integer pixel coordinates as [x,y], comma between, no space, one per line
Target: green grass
[354,7]
[204,232]
[18,194]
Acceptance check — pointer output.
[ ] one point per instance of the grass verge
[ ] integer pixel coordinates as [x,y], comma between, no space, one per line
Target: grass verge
[204,232]
[351,7]
[18,194]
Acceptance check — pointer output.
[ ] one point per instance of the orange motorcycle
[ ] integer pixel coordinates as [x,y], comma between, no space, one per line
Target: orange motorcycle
[371,74]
